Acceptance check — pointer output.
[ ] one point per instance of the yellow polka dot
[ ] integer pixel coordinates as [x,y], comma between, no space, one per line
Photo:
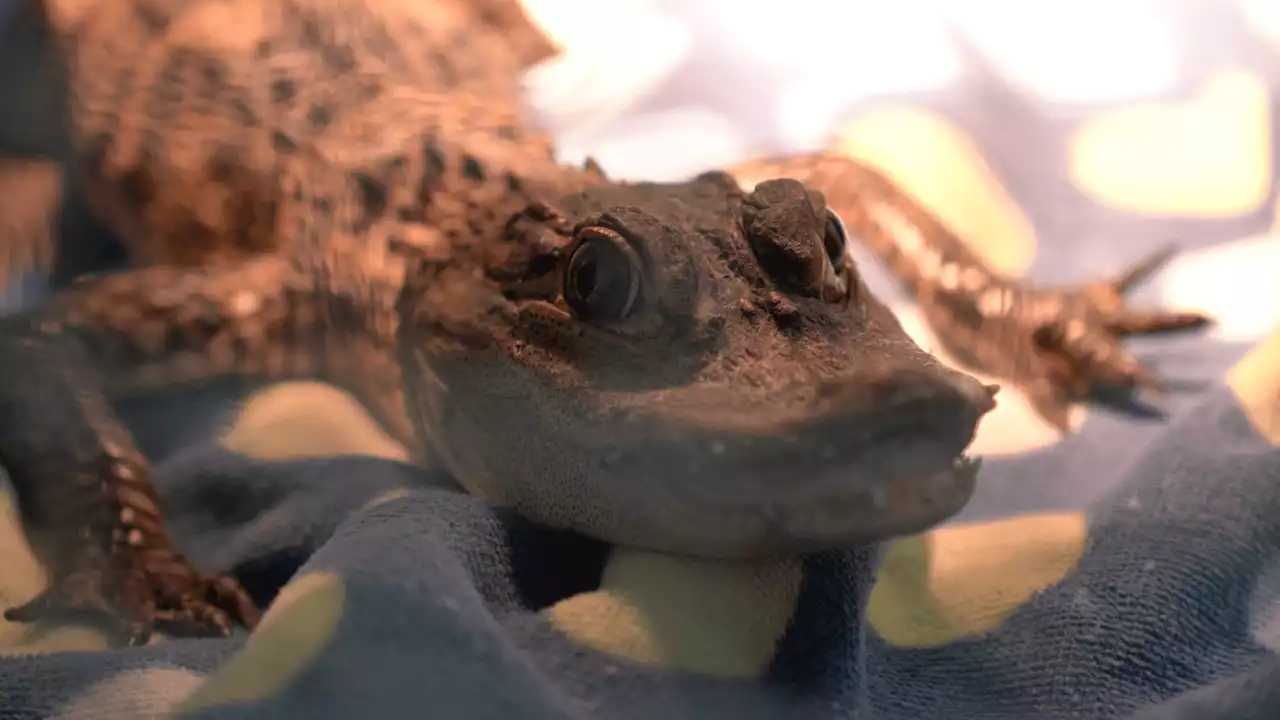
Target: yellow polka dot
[294,631]
[901,608]
[943,168]
[963,580]
[21,579]
[1255,381]
[307,419]
[386,497]
[23,575]
[714,618]
[302,593]
[1207,157]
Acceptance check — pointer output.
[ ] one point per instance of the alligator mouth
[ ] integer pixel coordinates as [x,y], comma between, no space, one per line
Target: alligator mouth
[806,497]
[854,508]
[843,474]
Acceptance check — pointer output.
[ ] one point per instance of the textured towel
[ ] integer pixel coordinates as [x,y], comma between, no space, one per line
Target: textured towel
[1129,570]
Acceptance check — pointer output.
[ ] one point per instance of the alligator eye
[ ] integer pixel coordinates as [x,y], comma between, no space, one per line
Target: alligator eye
[836,240]
[602,280]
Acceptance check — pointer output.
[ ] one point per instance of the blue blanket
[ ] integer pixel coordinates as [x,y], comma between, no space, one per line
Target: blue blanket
[1130,569]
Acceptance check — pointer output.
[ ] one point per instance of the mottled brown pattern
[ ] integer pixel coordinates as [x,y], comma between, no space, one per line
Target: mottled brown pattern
[334,135]
[186,115]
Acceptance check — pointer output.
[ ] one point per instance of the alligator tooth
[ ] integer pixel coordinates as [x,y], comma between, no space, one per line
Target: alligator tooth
[967,466]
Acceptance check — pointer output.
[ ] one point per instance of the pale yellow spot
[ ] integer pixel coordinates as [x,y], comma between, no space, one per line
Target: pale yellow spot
[942,168]
[47,637]
[962,580]
[715,618]
[1255,381]
[1208,157]
[23,575]
[307,419]
[301,589]
[294,631]
[1014,427]
[386,497]
[21,579]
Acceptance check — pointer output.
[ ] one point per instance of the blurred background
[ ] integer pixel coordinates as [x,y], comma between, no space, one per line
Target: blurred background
[998,93]
[661,89]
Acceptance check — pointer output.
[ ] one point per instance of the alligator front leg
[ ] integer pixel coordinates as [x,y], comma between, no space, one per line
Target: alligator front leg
[81,483]
[84,490]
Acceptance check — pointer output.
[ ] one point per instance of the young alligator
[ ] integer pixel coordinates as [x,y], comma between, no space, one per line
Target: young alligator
[334,189]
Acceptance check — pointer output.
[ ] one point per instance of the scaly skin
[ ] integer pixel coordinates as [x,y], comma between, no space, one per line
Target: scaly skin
[320,190]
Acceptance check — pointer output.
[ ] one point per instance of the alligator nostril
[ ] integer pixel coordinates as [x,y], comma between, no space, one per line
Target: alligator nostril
[931,390]
[981,395]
